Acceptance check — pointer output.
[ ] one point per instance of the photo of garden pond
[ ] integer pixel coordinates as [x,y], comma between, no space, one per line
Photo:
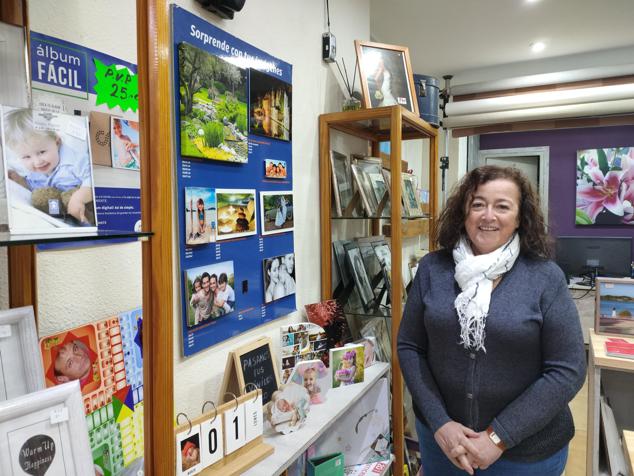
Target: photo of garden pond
[213,106]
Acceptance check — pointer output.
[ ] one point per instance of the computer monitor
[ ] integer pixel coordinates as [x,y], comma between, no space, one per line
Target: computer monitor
[595,256]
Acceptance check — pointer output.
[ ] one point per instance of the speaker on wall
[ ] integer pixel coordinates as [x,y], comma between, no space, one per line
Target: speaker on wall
[223,8]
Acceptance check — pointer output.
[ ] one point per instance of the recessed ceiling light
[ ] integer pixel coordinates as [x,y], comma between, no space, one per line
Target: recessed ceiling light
[538,46]
[532,1]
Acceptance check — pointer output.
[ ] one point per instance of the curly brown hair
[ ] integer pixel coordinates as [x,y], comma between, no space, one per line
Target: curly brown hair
[534,239]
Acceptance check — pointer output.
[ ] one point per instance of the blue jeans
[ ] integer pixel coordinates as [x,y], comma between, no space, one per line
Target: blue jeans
[435,463]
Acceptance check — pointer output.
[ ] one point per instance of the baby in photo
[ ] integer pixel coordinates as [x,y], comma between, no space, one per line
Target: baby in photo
[58,176]
[313,376]
[288,408]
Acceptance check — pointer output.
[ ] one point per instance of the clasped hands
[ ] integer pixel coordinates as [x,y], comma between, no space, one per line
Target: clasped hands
[465,448]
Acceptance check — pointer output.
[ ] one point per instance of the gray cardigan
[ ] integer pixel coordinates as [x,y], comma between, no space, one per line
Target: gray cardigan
[533,366]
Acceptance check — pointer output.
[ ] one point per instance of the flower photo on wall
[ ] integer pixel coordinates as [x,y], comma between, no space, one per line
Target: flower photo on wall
[605,186]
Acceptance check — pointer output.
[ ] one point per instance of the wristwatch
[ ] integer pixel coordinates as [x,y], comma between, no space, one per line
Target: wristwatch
[497,441]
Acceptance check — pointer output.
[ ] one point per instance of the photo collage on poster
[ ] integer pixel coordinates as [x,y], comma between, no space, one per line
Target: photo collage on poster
[301,342]
[236,218]
[106,357]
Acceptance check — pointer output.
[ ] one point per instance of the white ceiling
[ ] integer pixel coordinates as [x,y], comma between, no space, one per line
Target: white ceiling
[458,36]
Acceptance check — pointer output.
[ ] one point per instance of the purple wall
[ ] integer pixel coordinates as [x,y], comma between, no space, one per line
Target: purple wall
[564,144]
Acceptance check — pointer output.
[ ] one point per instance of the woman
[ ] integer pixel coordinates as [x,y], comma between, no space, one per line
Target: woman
[490,344]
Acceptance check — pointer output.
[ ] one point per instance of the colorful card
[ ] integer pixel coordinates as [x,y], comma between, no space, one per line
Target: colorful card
[125,143]
[301,342]
[329,315]
[347,365]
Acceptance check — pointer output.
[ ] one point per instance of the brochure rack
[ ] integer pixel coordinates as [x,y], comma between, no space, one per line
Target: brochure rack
[392,124]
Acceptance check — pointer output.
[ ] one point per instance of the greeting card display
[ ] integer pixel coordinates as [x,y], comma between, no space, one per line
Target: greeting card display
[347,365]
[124,140]
[288,408]
[48,172]
[301,342]
[45,432]
[213,108]
[314,376]
[106,359]
[20,368]
[200,215]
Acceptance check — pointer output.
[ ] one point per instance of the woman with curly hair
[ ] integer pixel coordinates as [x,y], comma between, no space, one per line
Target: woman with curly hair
[490,343]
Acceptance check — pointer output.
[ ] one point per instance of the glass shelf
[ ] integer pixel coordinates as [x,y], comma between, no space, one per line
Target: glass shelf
[8,239]
[376,312]
[418,217]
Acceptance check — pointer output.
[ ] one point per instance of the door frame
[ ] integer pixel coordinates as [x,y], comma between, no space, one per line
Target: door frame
[543,154]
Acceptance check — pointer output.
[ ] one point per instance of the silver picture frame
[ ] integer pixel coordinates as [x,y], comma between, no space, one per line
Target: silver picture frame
[21,369]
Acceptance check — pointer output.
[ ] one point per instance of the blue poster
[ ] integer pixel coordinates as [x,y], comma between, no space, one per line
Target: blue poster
[233,142]
[63,67]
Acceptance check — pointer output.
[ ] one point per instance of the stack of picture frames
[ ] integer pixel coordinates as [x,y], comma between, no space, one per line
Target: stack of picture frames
[234,109]
[76,406]
[361,187]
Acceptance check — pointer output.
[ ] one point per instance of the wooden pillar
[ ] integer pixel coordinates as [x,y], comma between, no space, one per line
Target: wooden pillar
[155,110]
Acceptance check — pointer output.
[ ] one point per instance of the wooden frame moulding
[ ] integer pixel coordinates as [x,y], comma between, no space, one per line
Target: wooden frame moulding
[155,118]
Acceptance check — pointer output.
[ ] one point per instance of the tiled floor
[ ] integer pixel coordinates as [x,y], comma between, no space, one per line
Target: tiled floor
[577,453]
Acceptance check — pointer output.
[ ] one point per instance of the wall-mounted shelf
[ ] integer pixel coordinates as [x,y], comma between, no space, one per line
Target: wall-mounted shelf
[8,239]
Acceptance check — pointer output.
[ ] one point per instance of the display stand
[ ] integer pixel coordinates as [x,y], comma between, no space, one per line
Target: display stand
[290,447]
[628,446]
[600,366]
[391,124]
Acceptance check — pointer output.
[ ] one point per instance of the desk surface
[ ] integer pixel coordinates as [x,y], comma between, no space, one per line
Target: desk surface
[601,359]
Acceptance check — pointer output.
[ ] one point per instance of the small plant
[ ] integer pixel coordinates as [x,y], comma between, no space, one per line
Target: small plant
[214,134]
[241,123]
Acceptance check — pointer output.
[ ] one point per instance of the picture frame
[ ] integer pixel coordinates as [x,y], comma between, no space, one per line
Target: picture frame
[347,365]
[21,369]
[373,169]
[614,307]
[342,187]
[411,202]
[364,186]
[386,75]
[38,199]
[47,429]
[231,205]
[276,212]
[360,275]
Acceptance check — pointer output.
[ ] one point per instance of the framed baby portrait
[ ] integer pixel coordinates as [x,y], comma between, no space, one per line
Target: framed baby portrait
[45,432]
[21,369]
[276,210]
[386,75]
[614,314]
[48,172]
[314,376]
[124,143]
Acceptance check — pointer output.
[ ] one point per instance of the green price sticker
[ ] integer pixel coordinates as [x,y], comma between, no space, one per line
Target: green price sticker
[116,87]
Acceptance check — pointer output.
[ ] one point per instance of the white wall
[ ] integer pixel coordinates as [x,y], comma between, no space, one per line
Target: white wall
[290,30]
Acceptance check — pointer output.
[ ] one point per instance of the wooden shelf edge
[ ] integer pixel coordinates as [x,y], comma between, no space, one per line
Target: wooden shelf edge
[628,448]
[601,359]
[409,228]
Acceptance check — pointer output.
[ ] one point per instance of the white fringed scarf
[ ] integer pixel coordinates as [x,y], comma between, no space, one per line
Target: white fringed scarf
[475,275]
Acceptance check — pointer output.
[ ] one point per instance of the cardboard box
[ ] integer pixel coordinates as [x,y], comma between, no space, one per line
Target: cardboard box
[329,465]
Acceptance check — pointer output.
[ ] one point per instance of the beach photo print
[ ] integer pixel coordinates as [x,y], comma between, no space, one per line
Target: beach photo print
[200,215]
[236,213]
[213,106]
[275,169]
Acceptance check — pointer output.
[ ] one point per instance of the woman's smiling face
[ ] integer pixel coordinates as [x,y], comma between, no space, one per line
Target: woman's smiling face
[492,215]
